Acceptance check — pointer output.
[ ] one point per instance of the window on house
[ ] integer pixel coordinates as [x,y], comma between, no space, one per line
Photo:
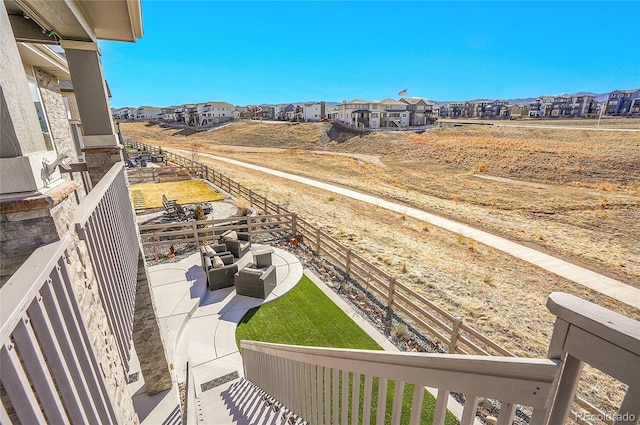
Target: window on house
[42,116]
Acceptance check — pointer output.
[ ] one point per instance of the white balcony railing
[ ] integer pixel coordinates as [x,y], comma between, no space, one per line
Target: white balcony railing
[48,366]
[106,221]
[317,384]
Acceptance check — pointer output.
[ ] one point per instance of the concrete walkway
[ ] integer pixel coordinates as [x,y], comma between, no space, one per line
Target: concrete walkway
[198,327]
[585,277]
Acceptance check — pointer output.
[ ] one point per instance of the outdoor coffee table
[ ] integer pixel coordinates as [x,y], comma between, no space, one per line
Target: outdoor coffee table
[262,255]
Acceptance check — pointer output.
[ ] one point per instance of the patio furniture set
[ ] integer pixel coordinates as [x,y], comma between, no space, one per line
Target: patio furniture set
[219,261]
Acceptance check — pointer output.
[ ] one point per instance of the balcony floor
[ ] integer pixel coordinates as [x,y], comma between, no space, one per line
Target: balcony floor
[198,327]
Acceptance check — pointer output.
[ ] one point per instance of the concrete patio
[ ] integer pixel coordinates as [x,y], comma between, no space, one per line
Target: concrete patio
[198,327]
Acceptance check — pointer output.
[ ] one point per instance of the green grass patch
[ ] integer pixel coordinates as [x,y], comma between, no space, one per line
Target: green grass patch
[306,316]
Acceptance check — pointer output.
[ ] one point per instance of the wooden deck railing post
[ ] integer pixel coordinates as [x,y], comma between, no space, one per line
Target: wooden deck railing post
[455,333]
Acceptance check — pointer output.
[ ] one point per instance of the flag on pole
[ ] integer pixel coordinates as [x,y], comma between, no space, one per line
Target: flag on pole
[403,93]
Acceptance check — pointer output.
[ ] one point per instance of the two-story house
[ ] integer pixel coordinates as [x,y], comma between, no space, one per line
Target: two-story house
[210,113]
[314,111]
[169,114]
[420,110]
[144,113]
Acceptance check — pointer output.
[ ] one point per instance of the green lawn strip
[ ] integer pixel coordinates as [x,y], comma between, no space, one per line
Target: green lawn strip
[306,316]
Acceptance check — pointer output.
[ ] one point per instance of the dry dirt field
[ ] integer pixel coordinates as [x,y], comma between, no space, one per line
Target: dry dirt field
[572,193]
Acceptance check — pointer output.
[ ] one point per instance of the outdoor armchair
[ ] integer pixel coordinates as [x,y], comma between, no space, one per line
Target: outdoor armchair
[256,283]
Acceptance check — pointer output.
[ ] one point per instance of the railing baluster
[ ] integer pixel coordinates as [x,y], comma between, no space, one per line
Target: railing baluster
[440,412]
[34,361]
[16,383]
[345,397]
[416,405]
[507,414]
[382,401]
[396,412]
[630,408]
[355,398]
[469,411]
[336,394]
[82,345]
[327,395]
[69,351]
[54,355]
[366,404]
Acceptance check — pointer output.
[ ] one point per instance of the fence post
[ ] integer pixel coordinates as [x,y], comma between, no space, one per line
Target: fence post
[195,232]
[318,242]
[251,196]
[265,205]
[294,224]
[347,263]
[250,227]
[392,292]
[455,332]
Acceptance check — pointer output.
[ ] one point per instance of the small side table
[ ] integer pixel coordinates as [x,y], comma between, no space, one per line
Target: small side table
[261,255]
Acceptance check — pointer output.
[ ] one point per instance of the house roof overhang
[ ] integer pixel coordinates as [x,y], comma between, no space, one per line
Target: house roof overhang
[45,58]
[83,20]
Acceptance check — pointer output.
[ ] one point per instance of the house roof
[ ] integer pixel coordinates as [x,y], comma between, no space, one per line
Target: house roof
[415,100]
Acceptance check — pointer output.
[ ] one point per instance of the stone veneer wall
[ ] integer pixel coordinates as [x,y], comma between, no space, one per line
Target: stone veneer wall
[100,160]
[147,337]
[56,114]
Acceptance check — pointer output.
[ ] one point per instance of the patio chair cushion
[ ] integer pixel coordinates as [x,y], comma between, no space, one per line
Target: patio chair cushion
[209,250]
[245,246]
[217,262]
[231,236]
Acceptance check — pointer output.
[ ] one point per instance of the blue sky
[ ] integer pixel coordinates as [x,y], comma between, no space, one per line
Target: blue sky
[291,51]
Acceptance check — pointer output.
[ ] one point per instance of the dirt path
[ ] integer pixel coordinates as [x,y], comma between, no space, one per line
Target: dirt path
[588,278]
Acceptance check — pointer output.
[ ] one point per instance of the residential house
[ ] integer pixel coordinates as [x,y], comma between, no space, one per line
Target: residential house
[314,111]
[541,107]
[388,113]
[146,113]
[210,113]
[169,114]
[454,110]
[623,103]
[477,109]
[420,110]
[499,109]
[126,113]
[584,106]
[268,112]
[518,111]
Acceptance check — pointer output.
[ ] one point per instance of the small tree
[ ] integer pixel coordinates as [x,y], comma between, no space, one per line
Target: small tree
[196,147]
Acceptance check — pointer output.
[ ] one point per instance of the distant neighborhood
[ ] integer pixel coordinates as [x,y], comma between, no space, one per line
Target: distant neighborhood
[407,112]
